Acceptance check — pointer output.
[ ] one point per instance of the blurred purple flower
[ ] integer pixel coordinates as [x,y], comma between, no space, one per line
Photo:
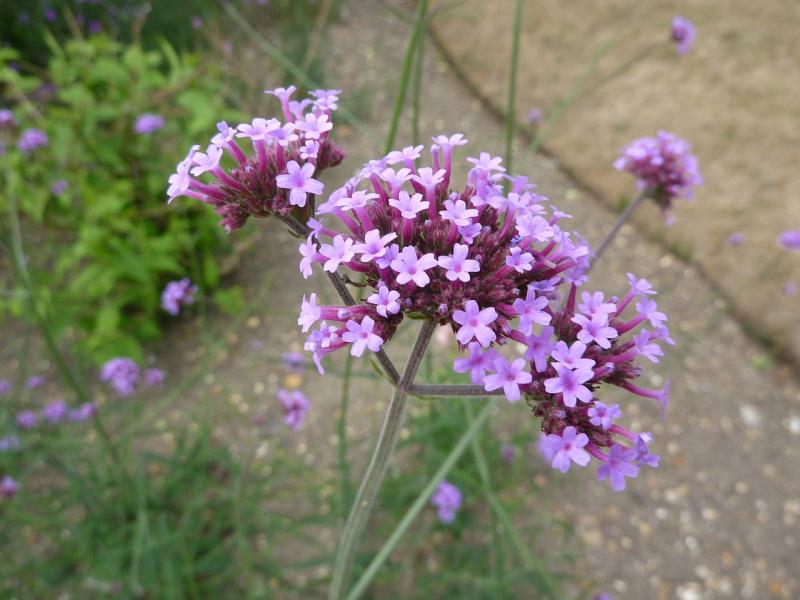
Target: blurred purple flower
[197,21]
[50,14]
[147,123]
[683,34]
[534,115]
[84,412]
[295,406]
[447,499]
[257,345]
[31,139]
[59,187]
[508,452]
[736,238]
[122,374]
[34,381]
[95,27]
[54,412]
[7,119]
[176,294]
[153,377]
[790,240]
[294,361]
[8,487]
[790,288]
[5,386]
[27,419]
[9,442]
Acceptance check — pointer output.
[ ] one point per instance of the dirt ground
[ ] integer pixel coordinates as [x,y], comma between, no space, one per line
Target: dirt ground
[734,97]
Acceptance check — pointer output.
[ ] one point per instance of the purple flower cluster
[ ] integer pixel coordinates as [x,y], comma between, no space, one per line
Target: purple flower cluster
[56,412]
[496,266]
[122,374]
[176,294]
[8,487]
[31,139]
[278,177]
[148,123]
[663,165]
[460,257]
[790,240]
[295,406]
[7,119]
[683,34]
[447,499]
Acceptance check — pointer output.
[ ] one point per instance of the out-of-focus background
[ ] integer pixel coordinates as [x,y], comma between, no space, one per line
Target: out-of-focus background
[193,486]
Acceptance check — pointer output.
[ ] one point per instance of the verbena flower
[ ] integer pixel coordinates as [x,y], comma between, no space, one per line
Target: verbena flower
[735,239]
[7,119]
[176,294]
[9,442]
[122,374]
[153,377]
[295,406]
[447,499]
[148,123]
[5,386]
[790,240]
[683,34]
[54,412]
[294,361]
[59,187]
[663,165]
[495,266]
[31,139]
[8,487]
[34,381]
[27,419]
[277,175]
[508,452]
[84,412]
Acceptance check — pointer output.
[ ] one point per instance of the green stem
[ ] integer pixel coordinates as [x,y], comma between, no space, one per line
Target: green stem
[405,72]
[420,503]
[623,218]
[511,105]
[416,92]
[376,471]
[341,437]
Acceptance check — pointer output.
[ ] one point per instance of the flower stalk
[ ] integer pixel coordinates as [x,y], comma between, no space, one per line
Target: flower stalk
[623,218]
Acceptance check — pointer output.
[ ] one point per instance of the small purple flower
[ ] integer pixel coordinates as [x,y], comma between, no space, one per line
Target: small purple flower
[361,337]
[83,413]
[447,499]
[603,416]
[475,324]
[790,240]
[59,187]
[534,115]
[735,239]
[457,265]
[509,376]
[310,312]
[148,123]
[683,34]
[153,377]
[95,27]
[54,412]
[563,450]
[122,374]
[50,14]
[34,381]
[572,356]
[374,245]
[8,487]
[177,294]
[643,455]
[386,301]
[790,288]
[294,361]
[295,406]
[27,419]
[408,205]
[477,363]
[569,384]
[197,21]
[7,119]
[531,310]
[9,442]
[618,466]
[595,330]
[410,267]
[5,386]
[341,251]
[299,182]
[539,348]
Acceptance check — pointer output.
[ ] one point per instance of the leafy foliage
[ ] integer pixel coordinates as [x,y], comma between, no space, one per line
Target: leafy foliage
[112,242]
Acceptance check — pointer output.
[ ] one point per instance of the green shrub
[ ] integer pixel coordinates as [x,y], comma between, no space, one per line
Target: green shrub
[107,245]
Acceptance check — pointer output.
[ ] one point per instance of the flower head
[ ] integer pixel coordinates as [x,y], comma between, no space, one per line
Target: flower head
[54,412]
[176,294]
[295,406]
[31,139]
[27,419]
[663,165]
[276,176]
[447,499]
[122,374]
[8,487]
[148,123]
[683,34]
[790,240]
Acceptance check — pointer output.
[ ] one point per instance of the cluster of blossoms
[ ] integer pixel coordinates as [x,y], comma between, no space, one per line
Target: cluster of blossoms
[8,487]
[56,412]
[683,34]
[278,176]
[31,139]
[494,264]
[148,123]
[176,294]
[663,165]
[790,240]
[295,405]
[447,499]
[124,375]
